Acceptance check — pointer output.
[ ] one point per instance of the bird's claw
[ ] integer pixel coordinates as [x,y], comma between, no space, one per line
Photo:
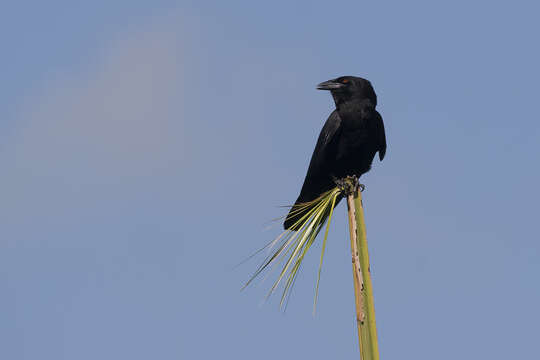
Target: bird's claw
[341,183]
[348,184]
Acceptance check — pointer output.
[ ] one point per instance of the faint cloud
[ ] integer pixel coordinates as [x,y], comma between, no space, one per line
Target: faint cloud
[123,117]
[105,129]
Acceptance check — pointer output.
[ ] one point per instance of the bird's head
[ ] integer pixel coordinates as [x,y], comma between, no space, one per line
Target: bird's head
[346,88]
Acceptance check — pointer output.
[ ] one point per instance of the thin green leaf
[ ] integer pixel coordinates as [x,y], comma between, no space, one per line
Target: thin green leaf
[291,246]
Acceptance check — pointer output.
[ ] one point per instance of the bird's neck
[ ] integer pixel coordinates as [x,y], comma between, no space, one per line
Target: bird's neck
[363,98]
[353,104]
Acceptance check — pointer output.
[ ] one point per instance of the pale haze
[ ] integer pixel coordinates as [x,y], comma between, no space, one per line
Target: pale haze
[145,148]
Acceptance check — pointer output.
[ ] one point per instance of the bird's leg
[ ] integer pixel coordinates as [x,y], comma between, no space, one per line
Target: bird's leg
[352,184]
[356,179]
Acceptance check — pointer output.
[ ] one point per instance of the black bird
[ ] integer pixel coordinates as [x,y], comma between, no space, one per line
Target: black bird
[348,142]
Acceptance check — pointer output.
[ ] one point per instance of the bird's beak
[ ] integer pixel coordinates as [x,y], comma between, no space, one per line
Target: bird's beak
[329,85]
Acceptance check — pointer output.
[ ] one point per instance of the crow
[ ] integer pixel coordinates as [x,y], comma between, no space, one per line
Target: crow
[347,144]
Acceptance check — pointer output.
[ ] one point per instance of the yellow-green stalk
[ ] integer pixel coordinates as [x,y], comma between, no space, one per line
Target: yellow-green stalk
[363,289]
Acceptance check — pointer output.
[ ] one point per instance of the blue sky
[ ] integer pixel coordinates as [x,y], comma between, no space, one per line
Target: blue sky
[144,146]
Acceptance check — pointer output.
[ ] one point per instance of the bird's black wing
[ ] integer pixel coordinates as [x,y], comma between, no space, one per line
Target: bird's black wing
[381,137]
[317,178]
[323,155]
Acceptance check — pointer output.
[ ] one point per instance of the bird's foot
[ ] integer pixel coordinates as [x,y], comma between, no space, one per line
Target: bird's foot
[349,184]
[341,183]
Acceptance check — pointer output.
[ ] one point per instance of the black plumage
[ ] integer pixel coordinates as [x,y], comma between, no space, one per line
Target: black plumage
[348,142]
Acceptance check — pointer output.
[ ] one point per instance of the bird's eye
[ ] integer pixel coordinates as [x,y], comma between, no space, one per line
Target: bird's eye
[344,81]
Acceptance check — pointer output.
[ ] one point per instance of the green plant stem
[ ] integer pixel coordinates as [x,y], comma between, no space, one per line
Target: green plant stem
[363,289]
